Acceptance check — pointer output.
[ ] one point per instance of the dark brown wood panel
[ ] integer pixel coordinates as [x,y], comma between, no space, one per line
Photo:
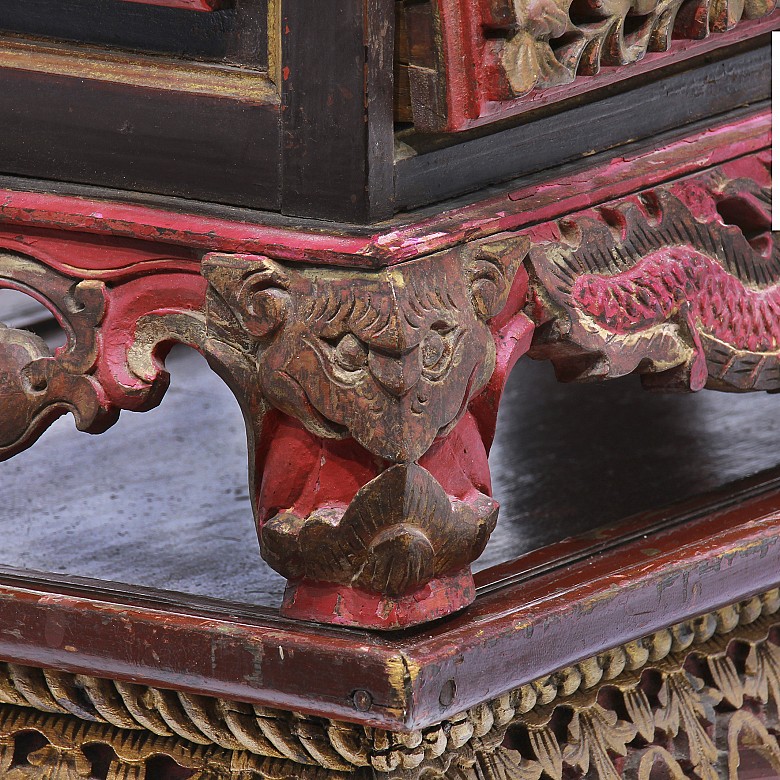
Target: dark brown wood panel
[337,93]
[133,138]
[216,35]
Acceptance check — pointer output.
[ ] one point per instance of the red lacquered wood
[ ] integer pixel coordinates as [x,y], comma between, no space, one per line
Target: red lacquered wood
[347,606]
[539,614]
[187,5]
[541,198]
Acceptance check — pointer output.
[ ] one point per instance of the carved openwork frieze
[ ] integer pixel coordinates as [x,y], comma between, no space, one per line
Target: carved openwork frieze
[681,285]
[464,62]
[699,699]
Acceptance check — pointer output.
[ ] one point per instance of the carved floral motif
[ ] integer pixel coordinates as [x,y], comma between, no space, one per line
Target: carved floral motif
[473,61]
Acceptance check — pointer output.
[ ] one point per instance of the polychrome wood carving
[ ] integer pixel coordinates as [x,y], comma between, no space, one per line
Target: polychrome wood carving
[371,396]
[372,483]
[661,286]
[466,63]
[370,399]
[38,387]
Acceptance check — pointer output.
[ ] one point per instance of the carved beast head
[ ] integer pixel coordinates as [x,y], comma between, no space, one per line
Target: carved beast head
[391,357]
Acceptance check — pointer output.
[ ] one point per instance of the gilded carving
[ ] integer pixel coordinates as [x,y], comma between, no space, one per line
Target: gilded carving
[557,40]
[372,368]
[687,301]
[548,728]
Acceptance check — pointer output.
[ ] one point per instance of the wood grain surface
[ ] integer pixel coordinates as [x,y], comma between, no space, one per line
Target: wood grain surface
[149,27]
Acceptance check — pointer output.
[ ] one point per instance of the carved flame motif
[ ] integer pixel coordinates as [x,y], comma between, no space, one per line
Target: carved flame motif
[661,293]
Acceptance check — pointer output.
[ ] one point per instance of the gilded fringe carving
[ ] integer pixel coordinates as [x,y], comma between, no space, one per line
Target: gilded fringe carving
[652,701]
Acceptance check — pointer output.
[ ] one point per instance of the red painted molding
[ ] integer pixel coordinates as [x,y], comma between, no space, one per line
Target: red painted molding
[540,199]
[187,5]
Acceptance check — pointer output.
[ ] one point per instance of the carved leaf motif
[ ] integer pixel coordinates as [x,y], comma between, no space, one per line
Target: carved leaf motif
[504,764]
[763,673]
[6,754]
[550,47]
[400,531]
[120,770]
[594,734]
[547,750]
[747,732]
[655,756]
[727,679]
[51,763]
[639,711]
[686,703]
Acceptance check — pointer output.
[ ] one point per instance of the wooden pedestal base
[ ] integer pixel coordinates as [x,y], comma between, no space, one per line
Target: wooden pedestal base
[369,370]
[686,689]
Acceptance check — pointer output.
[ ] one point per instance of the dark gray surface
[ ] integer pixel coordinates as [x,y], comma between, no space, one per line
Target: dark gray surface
[19,310]
[160,500]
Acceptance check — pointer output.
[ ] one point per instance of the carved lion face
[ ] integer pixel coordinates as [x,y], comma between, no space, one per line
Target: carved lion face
[391,358]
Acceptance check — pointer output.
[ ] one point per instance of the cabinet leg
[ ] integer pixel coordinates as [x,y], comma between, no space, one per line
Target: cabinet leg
[371,400]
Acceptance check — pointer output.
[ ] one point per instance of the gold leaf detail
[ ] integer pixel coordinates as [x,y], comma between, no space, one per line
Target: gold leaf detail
[594,734]
[685,703]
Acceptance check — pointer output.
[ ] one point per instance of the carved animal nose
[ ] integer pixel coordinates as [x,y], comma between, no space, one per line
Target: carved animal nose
[398,374]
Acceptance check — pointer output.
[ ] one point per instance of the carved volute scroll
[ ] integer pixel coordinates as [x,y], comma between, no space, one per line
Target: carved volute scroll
[36,385]
[371,475]
[669,290]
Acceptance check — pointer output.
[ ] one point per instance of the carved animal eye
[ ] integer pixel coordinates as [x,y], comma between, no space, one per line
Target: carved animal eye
[437,349]
[350,354]
[432,349]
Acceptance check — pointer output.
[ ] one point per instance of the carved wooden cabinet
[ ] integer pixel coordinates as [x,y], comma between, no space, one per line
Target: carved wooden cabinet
[363,213]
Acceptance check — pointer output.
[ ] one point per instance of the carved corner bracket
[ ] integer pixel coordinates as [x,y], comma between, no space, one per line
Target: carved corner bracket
[371,484]
[370,400]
